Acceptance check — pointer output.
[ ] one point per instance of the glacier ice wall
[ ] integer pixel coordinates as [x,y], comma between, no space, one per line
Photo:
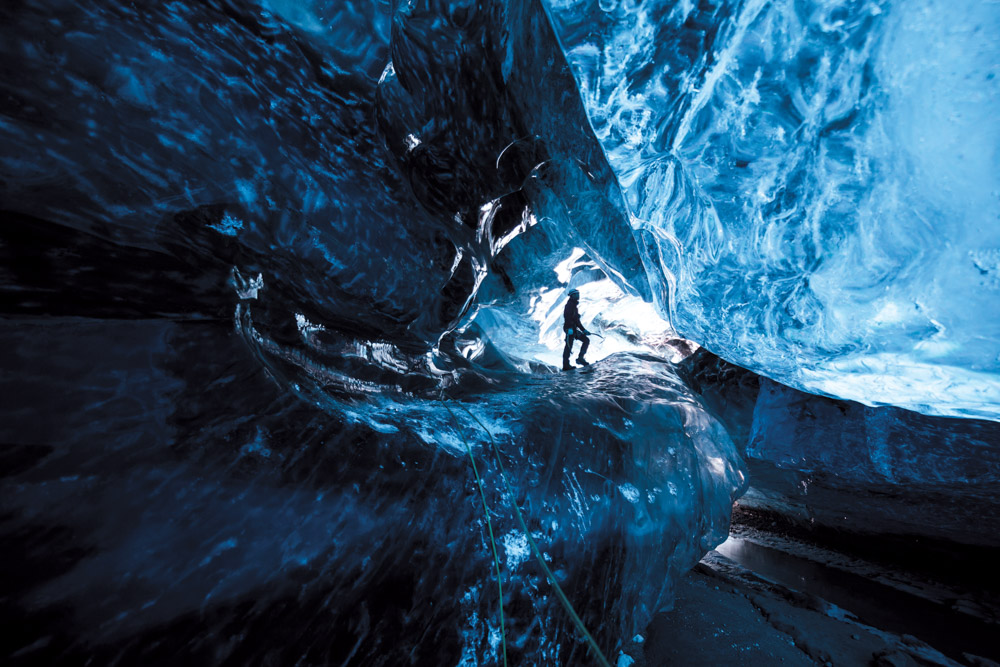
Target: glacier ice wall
[229,137]
[815,185]
[825,463]
[241,245]
[179,504]
[874,469]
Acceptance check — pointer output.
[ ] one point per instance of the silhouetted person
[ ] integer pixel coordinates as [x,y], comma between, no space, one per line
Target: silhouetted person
[574,331]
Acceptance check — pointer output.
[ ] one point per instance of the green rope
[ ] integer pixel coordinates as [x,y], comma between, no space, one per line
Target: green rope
[489,526]
[534,547]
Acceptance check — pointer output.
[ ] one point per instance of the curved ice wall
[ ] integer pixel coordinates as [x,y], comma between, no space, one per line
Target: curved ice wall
[813,185]
[244,386]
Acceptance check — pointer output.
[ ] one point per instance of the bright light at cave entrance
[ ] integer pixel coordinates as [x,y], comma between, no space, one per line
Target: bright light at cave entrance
[619,322]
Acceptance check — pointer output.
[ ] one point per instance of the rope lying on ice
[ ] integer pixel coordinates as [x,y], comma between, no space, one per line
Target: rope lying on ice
[489,526]
[531,541]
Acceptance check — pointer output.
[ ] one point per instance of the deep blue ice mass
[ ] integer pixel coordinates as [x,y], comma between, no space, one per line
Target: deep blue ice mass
[281,287]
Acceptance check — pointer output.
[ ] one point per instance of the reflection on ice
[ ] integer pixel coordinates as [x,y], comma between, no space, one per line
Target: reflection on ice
[617,470]
[254,253]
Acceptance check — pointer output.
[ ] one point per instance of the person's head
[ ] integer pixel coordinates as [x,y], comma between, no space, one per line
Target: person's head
[574,294]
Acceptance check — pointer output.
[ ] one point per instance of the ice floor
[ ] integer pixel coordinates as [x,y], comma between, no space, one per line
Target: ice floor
[764,598]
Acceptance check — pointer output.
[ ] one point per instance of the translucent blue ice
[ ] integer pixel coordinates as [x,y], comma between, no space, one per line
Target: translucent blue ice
[815,185]
[825,462]
[874,470]
[276,273]
[266,268]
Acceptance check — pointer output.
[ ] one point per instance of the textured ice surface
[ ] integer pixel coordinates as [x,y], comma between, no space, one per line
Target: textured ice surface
[184,500]
[249,247]
[841,464]
[871,445]
[240,248]
[875,469]
[226,136]
[815,183]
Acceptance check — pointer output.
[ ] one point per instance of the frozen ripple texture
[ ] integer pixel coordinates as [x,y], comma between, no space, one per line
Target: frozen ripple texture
[814,184]
[184,506]
[242,244]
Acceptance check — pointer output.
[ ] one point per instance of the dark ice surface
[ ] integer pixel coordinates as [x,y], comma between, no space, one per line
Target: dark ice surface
[279,279]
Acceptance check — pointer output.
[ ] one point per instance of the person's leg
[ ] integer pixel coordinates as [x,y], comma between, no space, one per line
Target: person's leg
[567,350]
[583,350]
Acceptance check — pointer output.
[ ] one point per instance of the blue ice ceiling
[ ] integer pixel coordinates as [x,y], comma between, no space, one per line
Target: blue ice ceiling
[275,272]
[808,189]
[813,184]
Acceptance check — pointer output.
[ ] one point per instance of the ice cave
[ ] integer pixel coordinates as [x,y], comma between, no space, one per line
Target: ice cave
[284,293]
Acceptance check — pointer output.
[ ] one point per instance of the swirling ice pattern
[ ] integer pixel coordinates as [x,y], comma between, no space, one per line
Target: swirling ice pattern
[226,286]
[815,182]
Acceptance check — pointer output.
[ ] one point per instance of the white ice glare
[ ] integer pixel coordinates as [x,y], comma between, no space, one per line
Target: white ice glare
[717,465]
[529,327]
[618,322]
[564,269]
[305,326]
[389,70]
